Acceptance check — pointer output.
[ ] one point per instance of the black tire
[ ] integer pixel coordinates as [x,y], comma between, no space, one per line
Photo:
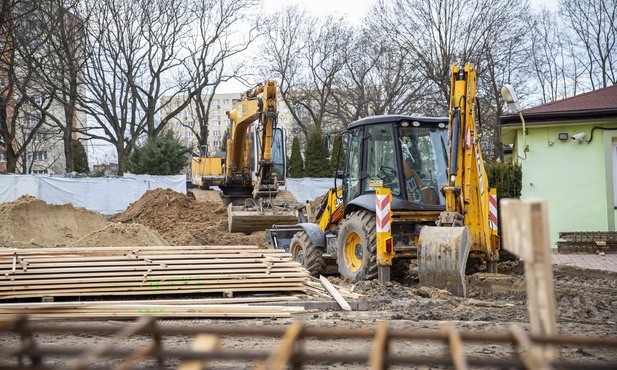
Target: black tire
[357,247]
[303,251]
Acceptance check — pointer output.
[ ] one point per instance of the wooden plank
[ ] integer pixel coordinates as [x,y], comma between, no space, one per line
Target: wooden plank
[337,296]
[205,278]
[196,301]
[526,232]
[135,291]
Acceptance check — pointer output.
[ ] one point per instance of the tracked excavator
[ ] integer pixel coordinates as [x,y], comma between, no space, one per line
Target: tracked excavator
[440,204]
[253,170]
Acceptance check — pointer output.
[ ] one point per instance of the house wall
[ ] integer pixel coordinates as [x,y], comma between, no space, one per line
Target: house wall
[575,179]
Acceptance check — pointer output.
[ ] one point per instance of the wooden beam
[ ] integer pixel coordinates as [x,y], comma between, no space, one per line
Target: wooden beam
[526,234]
[337,296]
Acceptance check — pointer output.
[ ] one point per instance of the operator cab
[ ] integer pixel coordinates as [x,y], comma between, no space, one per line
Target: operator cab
[404,153]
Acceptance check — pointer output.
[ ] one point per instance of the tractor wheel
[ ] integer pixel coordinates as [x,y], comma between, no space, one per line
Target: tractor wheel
[357,247]
[304,252]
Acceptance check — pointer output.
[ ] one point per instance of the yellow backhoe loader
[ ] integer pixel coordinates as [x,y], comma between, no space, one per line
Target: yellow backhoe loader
[440,200]
[254,168]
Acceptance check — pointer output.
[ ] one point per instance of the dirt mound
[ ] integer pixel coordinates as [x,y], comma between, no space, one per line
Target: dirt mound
[29,222]
[121,235]
[183,221]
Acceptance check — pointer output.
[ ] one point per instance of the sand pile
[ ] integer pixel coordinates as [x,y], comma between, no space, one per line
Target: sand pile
[182,220]
[31,223]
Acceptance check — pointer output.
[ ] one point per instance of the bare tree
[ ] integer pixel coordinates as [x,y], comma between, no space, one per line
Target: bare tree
[140,51]
[22,109]
[307,55]
[378,78]
[594,31]
[223,33]
[63,62]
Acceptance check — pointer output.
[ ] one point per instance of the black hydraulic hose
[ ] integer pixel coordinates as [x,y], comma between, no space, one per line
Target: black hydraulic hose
[456,126]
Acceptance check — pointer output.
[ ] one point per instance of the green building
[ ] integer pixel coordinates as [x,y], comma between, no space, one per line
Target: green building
[568,155]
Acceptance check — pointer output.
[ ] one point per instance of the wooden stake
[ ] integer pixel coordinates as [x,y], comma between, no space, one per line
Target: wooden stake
[526,234]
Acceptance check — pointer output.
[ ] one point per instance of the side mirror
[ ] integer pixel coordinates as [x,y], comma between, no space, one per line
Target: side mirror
[339,174]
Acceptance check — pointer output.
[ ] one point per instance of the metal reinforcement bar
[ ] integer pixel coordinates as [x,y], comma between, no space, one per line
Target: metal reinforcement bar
[289,353]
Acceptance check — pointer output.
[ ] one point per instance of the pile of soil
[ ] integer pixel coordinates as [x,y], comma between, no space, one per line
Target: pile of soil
[121,235]
[182,220]
[29,222]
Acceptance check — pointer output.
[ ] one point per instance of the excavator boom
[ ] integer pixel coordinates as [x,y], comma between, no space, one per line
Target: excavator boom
[463,230]
[248,178]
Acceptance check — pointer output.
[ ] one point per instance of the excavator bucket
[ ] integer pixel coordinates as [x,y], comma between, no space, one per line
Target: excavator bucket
[259,216]
[443,256]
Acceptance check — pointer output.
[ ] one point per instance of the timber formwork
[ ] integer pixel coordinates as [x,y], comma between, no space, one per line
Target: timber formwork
[290,352]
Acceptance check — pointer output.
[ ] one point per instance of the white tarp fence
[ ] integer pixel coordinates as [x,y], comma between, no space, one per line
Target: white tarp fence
[309,188]
[113,195]
[105,195]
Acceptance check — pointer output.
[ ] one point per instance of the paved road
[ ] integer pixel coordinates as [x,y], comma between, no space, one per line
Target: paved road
[607,262]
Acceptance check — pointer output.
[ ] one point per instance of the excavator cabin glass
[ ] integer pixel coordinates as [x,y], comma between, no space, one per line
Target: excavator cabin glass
[409,156]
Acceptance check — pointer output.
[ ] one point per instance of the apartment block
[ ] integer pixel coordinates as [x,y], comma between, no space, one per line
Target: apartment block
[186,122]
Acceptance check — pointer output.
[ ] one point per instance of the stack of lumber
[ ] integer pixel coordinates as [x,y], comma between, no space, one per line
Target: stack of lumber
[105,271]
[132,309]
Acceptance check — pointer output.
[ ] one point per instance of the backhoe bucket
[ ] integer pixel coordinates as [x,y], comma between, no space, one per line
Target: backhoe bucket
[443,253]
[248,219]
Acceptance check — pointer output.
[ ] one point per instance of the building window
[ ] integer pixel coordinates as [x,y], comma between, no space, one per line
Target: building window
[40,155]
[216,113]
[32,119]
[226,101]
[215,102]
[39,137]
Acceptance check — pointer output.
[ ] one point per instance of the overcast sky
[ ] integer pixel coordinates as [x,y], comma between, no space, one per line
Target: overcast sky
[355,10]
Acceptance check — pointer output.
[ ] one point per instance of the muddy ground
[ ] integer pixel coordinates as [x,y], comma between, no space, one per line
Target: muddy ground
[586,300]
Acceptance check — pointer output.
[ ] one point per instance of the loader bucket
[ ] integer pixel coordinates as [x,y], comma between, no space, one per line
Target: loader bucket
[248,219]
[443,253]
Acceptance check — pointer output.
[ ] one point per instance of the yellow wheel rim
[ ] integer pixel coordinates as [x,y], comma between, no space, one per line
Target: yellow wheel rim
[353,251]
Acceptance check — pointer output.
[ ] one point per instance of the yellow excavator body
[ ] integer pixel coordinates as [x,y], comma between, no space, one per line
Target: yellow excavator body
[249,176]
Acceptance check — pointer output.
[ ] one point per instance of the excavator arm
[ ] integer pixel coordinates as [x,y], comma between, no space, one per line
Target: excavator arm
[464,229]
[256,104]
